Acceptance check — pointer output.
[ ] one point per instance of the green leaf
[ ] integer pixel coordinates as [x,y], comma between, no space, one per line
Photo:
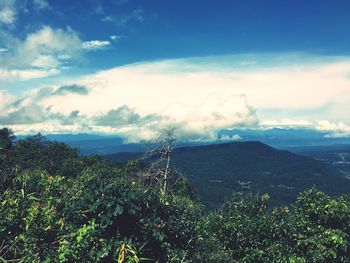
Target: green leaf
[118,210]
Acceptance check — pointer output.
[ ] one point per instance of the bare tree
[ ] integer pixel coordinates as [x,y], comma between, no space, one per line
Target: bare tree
[158,155]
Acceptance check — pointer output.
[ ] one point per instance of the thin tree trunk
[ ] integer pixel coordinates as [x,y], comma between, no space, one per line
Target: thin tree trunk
[166,173]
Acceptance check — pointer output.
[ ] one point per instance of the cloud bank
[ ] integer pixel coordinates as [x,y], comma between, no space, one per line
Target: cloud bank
[36,112]
[198,96]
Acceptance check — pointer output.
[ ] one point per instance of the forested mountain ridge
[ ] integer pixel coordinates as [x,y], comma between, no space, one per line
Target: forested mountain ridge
[216,171]
[56,206]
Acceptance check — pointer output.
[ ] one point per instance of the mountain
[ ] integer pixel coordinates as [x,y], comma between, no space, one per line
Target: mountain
[219,170]
[91,144]
[284,138]
[102,144]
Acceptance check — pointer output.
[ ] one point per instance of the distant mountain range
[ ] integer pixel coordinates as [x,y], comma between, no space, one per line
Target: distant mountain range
[285,138]
[219,170]
[290,139]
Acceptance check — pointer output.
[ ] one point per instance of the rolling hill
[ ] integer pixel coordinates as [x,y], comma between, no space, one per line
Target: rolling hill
[217,171]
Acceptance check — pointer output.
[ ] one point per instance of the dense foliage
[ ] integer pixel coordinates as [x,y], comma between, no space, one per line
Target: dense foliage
[58,207]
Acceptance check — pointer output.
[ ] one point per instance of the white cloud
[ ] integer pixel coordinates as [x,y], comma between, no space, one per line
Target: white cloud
[202,121]
[7,15]
[337,130]
[275,87]
[200,100]
[95,45]
[202,96]
[214,113]
[286,122]
[114,37]
[329,126]
[41,4]
[40,54]
[333,129]
[44,53]
[46,61]
[5,99]
[48,127]
[49,42]
[29,110]
[26,74]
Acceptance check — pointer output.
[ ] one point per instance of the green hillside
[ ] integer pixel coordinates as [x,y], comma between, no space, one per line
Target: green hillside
[217,171]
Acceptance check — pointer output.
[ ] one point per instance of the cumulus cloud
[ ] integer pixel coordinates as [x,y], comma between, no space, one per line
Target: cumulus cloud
[30,114]
[45,61]
[44,53]
[48,44]
[210,116]
[29,111]
[202,121]
[41,54]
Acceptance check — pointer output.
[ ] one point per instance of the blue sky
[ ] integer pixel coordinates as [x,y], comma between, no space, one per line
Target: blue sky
[160,29]
[132,66]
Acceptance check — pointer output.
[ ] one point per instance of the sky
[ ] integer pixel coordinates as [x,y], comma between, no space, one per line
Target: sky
[133,67]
